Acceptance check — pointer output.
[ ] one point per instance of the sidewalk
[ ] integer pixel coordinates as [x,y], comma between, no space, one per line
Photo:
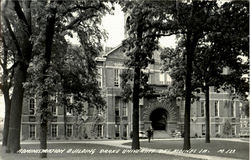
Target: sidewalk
[119,143]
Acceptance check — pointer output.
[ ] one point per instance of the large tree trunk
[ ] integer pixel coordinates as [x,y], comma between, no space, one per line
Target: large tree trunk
[136,90]
[190,48]
[13,144]
[207,114]
[50,29]
[65,120]
[6,118]
[20,71]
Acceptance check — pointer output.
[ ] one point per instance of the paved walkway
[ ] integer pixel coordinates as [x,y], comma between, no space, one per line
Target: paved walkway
[119,143]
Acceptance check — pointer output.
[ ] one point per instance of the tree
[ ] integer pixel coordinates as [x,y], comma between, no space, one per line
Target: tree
[57,18]
[139,47]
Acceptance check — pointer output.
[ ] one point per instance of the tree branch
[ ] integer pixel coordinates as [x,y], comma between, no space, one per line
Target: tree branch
[13,36]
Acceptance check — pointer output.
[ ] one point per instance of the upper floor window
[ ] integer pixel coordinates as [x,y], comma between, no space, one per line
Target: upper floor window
[32,106]
[216,108]
[99,77]
[116,78]
[202,109]
[54,110]
[162,78]
[217,128]
[124,109]
[117,107]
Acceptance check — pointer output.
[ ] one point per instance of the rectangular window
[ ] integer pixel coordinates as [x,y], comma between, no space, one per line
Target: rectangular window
[233,109]
[54,110]
[233,130]
[162,78]
[99,77]
[100,130]
[124,109]
[69,110]
[203,129]
[117,107]
[216,107]
[117,130]
[54,130]
[32,106]
[217,129]
[69,130]
[202,109]
[116,78]
[32,131]
[125,130]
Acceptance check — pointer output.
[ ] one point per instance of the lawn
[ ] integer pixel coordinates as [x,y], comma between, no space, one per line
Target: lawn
[216,147]
[79,156]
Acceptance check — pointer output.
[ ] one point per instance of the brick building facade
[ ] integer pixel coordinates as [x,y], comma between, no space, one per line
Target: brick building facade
[116,121]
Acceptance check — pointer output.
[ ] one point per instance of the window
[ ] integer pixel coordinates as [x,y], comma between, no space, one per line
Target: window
[217,129]
[32,106]
[162,78]
[125,130]
[99,77]
[233,109]
[202,109]
[203,129]
[169,79]
[54,130]
[116,78]
[117,130]
[216,107]
[32,131]
[117,107]
[69,130]
[69,110]
[233,130]
[100,130]
[54,110]
[124,109]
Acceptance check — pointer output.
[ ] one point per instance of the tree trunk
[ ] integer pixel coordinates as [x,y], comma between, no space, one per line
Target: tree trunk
[20,71]
[207,114]
[6,118]
[13,144]
[50,26]
[136,90]
[65,120]
[190,48]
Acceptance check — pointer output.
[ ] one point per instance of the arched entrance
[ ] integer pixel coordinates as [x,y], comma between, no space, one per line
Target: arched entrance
[159,117]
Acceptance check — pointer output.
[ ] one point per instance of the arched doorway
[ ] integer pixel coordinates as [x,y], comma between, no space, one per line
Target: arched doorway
[158,117]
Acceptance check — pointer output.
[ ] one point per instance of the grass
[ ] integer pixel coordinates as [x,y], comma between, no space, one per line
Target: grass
[214,147]
[96,156]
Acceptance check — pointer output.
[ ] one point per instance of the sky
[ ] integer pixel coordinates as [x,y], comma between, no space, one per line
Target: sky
[114,26]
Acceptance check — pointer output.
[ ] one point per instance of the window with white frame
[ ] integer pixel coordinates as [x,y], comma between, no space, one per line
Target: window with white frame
[203,129]
[162,78]
[217,128]
[32,106]
[53,130]
[32,131]
[99,77]
[216,108]
[116,78]
[125,130]
[202,109]
[124,109]
[117,107]
[69,130]
[100,130]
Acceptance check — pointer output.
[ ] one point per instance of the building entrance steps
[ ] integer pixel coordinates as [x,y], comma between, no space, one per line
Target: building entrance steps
[159,134]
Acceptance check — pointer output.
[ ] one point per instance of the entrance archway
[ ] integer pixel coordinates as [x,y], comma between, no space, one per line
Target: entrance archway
[159,117]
